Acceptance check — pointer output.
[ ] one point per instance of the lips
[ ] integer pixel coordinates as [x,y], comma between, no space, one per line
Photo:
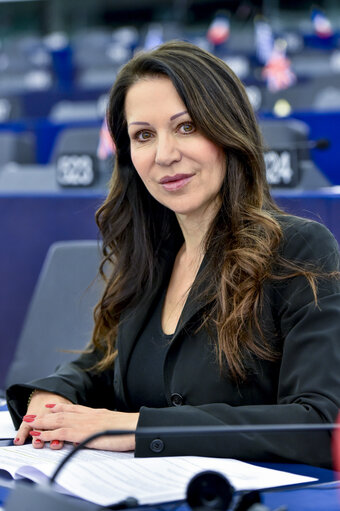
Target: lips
[173,183]
[177,177]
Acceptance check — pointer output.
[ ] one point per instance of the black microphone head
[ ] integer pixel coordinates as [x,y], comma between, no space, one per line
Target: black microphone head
[209,490]
[250,501]
[322,143]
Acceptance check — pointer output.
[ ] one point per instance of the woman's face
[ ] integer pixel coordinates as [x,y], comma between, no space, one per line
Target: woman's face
[181,168]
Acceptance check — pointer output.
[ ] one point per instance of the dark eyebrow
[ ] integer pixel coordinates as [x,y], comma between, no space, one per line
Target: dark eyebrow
[148,124]
[139,122]
[178,115]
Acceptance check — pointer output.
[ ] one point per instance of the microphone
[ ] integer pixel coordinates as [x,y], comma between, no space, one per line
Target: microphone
[211,490]
[320,143]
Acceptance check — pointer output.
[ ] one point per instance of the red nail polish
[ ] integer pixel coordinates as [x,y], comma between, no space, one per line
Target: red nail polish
[37,441]
[35,433]
[28,419]
[55,442]
[16,440]
[29,416]
[50,405]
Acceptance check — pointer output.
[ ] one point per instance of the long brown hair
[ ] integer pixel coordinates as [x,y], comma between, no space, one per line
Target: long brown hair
[243,240]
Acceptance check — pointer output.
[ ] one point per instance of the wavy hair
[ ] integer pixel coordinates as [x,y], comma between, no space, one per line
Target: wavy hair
[243,239]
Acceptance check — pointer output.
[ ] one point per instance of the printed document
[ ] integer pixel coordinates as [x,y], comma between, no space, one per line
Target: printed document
[106,477]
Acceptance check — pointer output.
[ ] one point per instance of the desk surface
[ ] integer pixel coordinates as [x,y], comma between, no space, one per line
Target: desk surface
[323,498]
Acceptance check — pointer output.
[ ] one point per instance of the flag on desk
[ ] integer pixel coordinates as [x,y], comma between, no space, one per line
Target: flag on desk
[219,30]
[277,71]
[322,25]
[106,147]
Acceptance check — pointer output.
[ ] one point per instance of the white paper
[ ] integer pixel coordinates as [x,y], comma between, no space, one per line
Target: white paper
[106,477]
[6,426]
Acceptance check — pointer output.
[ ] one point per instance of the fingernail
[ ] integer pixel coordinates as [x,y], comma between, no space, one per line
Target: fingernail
[16,440]
[29,416]
[55,442]
[28,419]
[37,441]
[50,405]
[35,433]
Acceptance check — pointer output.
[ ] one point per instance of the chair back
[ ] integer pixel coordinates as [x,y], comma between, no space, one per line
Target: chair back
[60,315]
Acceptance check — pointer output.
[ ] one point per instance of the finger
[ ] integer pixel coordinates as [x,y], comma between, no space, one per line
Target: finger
[56,444]
[36,440]
[22,433]
[57,437]
[37,443]
[54,421]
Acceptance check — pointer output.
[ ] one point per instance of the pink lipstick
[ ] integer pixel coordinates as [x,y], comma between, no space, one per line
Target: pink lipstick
[173,183]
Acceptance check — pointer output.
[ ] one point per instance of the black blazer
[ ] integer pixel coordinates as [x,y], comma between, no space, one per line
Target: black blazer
[303,386]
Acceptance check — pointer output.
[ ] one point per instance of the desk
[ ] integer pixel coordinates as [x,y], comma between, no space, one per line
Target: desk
[326,499]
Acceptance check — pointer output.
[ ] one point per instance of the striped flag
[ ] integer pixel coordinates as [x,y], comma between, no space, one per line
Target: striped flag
[106,147]
[277,72]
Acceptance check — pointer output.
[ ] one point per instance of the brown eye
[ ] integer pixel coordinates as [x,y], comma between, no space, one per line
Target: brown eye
[143,135]
[187,127]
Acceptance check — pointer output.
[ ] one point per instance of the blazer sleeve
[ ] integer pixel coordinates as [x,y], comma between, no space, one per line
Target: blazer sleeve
[308,390]
[75,381]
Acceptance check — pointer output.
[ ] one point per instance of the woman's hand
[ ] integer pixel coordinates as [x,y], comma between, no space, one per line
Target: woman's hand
[37,408]
[74,423]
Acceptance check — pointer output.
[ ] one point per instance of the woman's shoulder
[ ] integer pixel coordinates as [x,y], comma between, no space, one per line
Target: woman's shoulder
[292,224]
[306,239]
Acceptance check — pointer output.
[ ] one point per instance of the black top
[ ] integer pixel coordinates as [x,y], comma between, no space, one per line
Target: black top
[144,377]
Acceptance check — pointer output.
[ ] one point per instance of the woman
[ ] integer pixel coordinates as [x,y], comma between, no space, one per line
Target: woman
[218,308]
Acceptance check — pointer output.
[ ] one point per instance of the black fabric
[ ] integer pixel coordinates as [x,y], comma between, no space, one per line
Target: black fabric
[302,387]
[144,375]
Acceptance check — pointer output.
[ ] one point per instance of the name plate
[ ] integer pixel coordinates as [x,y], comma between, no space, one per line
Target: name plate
[75,170]
[282,168]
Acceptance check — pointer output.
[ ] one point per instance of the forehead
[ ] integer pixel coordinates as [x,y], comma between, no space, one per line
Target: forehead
[152,96]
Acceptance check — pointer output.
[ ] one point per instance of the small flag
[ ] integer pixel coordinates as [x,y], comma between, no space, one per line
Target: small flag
[277,70]
[219,30]
[322,25]
[106,147]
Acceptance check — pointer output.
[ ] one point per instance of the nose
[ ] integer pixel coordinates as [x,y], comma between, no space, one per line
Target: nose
[167,150]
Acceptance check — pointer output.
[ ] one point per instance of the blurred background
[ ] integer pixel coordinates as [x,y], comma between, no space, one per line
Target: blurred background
[58,60]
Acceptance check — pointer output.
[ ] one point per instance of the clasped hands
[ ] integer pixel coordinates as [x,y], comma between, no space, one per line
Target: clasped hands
[52,418]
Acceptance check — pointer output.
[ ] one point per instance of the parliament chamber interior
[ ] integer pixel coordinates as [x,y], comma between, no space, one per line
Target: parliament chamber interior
[58,61]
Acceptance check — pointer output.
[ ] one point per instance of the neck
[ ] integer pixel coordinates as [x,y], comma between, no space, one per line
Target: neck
[194,229]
